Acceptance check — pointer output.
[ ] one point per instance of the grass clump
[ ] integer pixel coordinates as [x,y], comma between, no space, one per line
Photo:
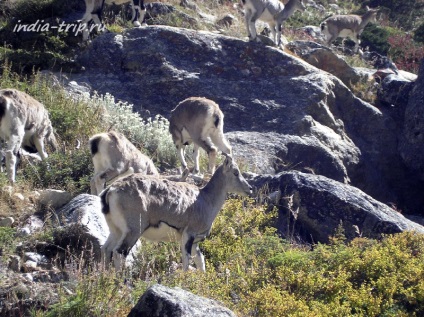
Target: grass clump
[69,171]
[7,236]
[95,294]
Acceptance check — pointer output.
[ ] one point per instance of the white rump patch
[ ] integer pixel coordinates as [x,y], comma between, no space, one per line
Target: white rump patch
[162,233]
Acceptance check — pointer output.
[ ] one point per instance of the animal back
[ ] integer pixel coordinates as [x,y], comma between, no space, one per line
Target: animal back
[341,22]
[159,196]
[28,109]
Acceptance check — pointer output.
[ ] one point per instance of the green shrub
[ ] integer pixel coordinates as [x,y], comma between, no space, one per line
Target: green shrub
[7,236]
[375,38]
[419,34]
[40,49]
[31,10]
[70,171]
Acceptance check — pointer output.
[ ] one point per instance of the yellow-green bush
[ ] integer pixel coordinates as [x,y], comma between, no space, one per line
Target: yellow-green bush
[255,273]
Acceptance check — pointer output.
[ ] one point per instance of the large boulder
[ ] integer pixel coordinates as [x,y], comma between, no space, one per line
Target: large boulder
[411,145]
[276,105]
[83,227]
[314,207]
[160,301]
[271,152]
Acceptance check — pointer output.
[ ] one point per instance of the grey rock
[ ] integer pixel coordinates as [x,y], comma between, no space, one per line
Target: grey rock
[39,259]
[15,263]
[28,277]
[394,90]
[19,196]
[159,301]
[271,152]
[206,17]
[24,232]
[411,145]
[379,61]
[51,276]
[319,205]
[7,222]
[32,224]
[189,5]
[226,20]
[155,9]
[334,7]
[29,266]
[407,75]
[84,226]
[314,31]
[54,198]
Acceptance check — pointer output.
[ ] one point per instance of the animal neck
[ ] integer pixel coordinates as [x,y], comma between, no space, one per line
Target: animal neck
[366,18]
[215,192]
[288,10]
[290,6]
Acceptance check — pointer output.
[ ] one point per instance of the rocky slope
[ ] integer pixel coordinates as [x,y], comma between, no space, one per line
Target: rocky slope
[289,114]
